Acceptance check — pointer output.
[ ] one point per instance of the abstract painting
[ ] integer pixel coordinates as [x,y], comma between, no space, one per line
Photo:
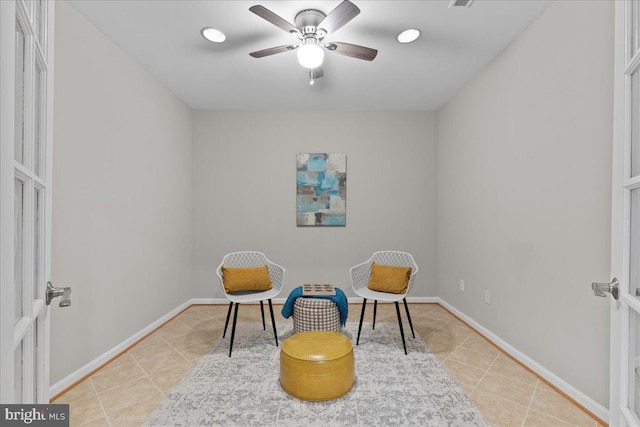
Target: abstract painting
[321,190]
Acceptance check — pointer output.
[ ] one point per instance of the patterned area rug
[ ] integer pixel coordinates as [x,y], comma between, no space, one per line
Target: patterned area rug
[390,388]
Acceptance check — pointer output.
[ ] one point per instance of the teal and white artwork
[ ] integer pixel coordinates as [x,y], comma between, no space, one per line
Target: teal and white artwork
[321,189]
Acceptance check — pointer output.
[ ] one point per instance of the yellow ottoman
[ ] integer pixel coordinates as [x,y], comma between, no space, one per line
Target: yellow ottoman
[317,365]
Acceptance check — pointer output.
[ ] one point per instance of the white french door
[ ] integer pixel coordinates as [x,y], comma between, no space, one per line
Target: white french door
[26,77]
[624,408]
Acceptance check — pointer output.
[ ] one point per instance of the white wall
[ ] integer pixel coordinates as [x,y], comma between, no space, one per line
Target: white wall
[524,193]
[521,193]
[122,195]
[244,168]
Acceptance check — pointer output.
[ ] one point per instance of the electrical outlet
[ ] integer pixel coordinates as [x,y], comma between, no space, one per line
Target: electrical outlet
[487,297]
[461,285]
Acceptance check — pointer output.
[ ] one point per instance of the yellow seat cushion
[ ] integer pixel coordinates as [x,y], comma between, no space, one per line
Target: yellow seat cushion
[317,365]
[388,278]
[246,279]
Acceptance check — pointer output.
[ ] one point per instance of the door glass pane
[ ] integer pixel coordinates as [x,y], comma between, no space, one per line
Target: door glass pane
[633,34]
[36,358]
[635,124]
[634,361]
[40,23]
[37,121]
[18,246]
[20,80]
[18,384]
[37,256]
[36,19]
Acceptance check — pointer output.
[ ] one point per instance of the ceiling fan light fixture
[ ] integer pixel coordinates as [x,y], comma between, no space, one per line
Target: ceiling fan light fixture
[213,35]
[409,35]
[310,54]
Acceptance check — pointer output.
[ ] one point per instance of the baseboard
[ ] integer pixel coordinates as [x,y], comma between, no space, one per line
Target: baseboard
[350,300]
[429,300]
[208,301]
[96,363]
[579,397]
[224,301]
[566,388]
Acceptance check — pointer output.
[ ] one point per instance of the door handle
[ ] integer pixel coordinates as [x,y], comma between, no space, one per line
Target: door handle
[613,288]
[53,292]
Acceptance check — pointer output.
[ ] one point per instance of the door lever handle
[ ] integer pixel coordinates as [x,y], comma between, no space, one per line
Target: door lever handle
[613,288]
[53,292]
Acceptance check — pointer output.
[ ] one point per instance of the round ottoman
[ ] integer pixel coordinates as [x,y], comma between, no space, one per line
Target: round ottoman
[317,365]
[315,314]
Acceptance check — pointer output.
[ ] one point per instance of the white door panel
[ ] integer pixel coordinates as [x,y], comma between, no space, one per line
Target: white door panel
[26,81]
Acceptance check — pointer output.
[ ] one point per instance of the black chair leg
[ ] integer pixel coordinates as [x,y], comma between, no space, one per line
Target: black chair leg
[226,323]
[264,327]
[375,310]
[364,305]
[406,307]
[401,330]
[273,322]
[233,328]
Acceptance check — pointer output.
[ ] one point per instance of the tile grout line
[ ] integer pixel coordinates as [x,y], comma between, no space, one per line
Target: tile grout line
[485,373]
[494,373]
[441,321]
[148,377]
[526,415]
[492,363]
[176,350]
[439,328]
[472,366]
[462,363]
[548,415]
[162,338]
[106,416]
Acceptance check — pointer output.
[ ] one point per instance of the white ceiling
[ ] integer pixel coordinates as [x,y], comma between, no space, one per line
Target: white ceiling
[164,36]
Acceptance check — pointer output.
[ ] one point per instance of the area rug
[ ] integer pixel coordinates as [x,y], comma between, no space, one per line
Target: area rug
[390,388]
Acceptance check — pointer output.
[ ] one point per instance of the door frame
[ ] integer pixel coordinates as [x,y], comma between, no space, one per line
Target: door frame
[622,185]
[7,118]
[37,20]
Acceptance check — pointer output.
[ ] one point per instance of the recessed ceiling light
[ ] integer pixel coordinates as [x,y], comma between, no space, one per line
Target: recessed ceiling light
[407,36]
[213,35]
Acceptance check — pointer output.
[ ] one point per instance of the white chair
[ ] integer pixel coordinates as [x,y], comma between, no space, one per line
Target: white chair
[249,259]
[360,279]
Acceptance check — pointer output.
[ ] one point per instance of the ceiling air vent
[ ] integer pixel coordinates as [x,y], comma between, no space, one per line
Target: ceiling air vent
[460,3]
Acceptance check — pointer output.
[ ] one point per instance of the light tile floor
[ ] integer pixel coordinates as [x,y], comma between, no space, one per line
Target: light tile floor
[124,392]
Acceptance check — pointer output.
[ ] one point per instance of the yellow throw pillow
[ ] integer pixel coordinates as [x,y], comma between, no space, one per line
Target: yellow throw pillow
[246,279]
[388,278]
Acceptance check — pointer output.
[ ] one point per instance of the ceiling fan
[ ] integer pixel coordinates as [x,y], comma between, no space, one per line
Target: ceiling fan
[311,27]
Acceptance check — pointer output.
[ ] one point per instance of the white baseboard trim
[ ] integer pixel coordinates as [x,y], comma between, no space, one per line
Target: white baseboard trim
[351,300]
[431,300]
[434,300]
[224,301]
[207,301]
[591,405]
[104,358]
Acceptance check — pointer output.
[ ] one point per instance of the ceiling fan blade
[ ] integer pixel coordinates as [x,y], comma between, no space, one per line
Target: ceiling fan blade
[273,50]
[276,20]
[339,16]
[353,50]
